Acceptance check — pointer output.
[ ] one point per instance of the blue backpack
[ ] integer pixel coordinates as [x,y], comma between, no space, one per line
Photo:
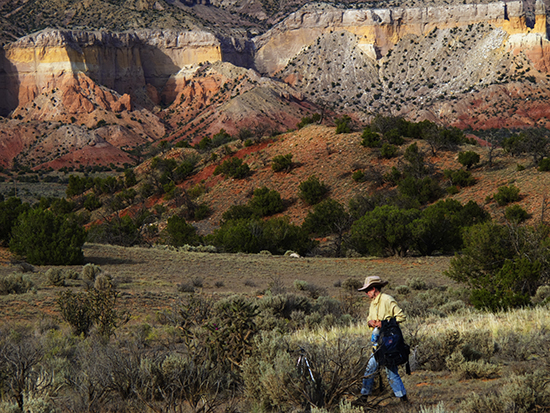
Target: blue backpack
[392,349]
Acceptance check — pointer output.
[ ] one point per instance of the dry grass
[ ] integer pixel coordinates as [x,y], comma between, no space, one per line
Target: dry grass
[449,391]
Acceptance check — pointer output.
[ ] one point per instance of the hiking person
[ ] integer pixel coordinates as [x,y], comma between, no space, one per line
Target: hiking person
[383,308]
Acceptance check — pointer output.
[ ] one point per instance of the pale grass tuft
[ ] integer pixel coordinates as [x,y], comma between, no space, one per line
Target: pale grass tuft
[344,407]
[440,408]
[496,328]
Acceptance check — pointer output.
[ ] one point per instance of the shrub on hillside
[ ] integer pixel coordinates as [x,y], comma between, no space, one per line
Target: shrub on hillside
[516,214]
[343,124]
[506,195]
[544,165]
[468,158]
[266,202]
[234,168]
[388,150]
[424,190]
[282,163]
[92,202]
[221,138]
[235,212]
[312,191]
[46,239]
[460,177]
[394,137]
[370,139]
[307,120]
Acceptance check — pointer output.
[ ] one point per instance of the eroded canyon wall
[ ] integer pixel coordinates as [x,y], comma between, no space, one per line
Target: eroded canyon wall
[124,62]
[379,29]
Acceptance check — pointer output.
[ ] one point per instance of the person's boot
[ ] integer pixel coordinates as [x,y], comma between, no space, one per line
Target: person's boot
[404,399]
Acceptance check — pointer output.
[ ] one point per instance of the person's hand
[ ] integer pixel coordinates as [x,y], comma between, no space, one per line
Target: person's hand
[375,323]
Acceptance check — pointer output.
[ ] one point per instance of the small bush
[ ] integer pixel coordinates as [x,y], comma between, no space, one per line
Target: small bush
[71,274]
[522,393]
[103,282]
[542,295]
[479,369]
[394,176]
[312,191]
[506,195]
[300,285]
[55,277]
[15,283]
[417,284]
[468,159]
[201,212]
[343,124]
[282,163]
[234,168]
[394,137]
[452,190]
[266,202]
[516,214]
[92,202]
[461,177]
[197,282]
[388,151]
[272,378]
[370,139]
[352,284]
[358,176]
[90,272]
[544,165]
[402,289]
[307,120]
[186,288]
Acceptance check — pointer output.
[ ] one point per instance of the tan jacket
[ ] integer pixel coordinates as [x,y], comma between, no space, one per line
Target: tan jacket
[384,307]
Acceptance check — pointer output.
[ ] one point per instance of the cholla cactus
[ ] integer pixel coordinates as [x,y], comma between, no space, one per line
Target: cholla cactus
[56,277]
[103,282]
[90,272]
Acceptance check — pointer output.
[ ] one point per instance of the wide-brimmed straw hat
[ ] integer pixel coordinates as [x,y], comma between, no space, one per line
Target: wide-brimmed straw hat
[372,280]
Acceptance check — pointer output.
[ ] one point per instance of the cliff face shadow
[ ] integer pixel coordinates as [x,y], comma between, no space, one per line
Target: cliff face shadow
[9,85]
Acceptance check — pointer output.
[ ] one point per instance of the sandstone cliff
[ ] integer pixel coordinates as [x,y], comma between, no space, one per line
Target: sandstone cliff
[124,62]
[378,30]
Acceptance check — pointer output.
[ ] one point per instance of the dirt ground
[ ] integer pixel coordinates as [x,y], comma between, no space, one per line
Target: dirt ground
[149,277]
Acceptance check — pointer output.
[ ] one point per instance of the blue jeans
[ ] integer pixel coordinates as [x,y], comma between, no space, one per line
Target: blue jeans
[393,377]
